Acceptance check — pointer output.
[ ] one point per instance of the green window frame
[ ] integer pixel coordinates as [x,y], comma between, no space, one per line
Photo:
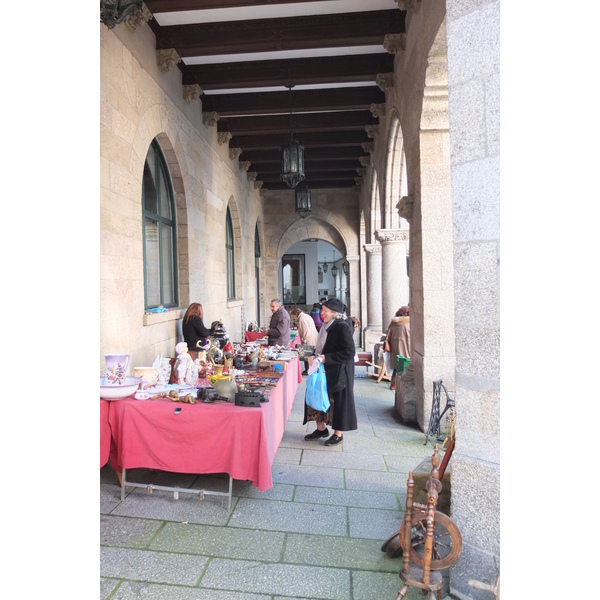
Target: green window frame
[159,232]
[230,250]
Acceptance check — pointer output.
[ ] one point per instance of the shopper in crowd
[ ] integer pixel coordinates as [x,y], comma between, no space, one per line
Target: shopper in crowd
[193,329]
[335,350]
[315,313]
[279,327]
[398,337]
[307,330]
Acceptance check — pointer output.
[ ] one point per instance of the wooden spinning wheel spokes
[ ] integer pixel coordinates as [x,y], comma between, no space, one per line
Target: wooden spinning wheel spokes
[447,541]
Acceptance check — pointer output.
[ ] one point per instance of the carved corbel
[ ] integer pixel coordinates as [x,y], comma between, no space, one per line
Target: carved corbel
[258,184]
[210,118]
[358,181]
[409,5]
[385,81]
[372,131]
[378,110]
[167,59]
[361,172]
[192,93]
[137,18]
[405,207]
[368,146]
[234,153]
[252,175]
[394,42]
[244,165]
[224,137]
[365,161]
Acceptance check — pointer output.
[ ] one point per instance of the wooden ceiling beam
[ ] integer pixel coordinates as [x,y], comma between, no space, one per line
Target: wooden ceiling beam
[323,154]
[273,35]
[286,72]
[248,103]
[308,140]
[158,6]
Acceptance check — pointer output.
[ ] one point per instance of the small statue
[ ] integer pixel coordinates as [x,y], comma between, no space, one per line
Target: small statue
[184,364]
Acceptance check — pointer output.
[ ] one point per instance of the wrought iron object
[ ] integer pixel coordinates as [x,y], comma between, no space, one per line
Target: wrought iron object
[113,12]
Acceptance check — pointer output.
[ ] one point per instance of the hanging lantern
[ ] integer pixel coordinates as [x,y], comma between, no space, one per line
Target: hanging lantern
[292,156]
[325,265]
[303,203]
[113,12]
[345,267]
[334,269]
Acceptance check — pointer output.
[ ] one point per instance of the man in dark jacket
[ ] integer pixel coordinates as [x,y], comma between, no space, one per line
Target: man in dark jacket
[279,327]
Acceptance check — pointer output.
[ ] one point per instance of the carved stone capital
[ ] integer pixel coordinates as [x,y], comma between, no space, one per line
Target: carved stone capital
[210,118]
[372,131]
[244,165]
[258,184]
[405,207]
[365,161]
[192,93]
[137,18]
[409,5]
[167,59]
[234,153]
[394,42]
[378,110]
[224,137]
[252,175]
[368,146]
[391,235]
[385,81]
[372,248]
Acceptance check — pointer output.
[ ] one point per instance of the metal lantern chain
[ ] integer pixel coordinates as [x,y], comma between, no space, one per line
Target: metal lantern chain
[292,155]
[113,12]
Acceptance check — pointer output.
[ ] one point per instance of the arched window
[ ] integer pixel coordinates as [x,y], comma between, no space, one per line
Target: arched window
[160,256]
[230,256]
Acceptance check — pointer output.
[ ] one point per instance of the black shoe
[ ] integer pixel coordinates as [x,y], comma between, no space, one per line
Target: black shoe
[334,439]
[316,434]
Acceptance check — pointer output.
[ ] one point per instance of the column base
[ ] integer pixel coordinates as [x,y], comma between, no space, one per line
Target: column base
[406,397]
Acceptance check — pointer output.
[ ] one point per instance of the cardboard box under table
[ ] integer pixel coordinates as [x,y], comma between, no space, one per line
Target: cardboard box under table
[202,438]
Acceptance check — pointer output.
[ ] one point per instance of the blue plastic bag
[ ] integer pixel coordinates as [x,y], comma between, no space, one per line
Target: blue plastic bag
[316,390]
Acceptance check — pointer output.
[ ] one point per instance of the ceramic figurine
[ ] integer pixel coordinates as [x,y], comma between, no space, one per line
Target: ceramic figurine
[184,363]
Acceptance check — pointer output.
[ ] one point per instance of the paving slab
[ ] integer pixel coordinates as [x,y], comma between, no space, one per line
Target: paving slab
[133,590]
[293,581]
[229,542]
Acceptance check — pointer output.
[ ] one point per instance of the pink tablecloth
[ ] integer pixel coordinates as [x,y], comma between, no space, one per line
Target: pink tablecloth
[252,336]
[204,438]
[104,433]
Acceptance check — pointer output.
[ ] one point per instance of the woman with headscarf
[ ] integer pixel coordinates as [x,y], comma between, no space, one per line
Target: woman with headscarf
[335,350]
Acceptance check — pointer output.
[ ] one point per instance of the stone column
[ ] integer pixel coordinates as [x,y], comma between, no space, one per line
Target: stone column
[394,279]
[372,331]
[353,290]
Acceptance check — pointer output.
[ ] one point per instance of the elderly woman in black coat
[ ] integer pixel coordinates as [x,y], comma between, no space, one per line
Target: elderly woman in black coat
[335,350]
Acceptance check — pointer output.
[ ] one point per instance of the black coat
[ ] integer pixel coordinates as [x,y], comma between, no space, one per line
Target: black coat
[194,331]
[339,351]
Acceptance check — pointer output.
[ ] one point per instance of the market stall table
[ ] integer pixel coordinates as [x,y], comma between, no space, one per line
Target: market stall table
[104,433]
[252,336]
[203,438]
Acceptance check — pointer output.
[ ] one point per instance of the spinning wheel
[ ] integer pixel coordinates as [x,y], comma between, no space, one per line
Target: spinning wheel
[447,541]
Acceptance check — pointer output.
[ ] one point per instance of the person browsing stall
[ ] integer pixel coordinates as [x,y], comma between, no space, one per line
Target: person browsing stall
[335,350]
[279,327]
[193,329]
[306,330]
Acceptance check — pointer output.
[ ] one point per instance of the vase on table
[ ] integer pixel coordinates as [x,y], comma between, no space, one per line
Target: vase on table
[116,368]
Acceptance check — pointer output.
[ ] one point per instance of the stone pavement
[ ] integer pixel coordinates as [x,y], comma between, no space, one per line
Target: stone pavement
[317,534]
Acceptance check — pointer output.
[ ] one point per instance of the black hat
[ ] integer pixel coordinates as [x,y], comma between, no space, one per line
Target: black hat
[334,304]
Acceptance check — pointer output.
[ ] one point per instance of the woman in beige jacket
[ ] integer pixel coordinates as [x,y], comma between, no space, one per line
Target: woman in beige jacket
[307,331]
[398,336]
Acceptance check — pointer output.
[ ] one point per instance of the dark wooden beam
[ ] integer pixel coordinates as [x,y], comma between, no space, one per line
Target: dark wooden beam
[259,103]
[283,73]
[158,6]
[306,122]
[310,166]
[314,184]
[323,154]
[272,35]
[308,140]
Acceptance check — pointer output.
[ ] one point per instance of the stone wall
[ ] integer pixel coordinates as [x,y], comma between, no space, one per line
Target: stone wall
[473,76]
[138,103]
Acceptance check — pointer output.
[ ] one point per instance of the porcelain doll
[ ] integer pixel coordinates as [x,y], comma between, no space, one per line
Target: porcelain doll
[184,363]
